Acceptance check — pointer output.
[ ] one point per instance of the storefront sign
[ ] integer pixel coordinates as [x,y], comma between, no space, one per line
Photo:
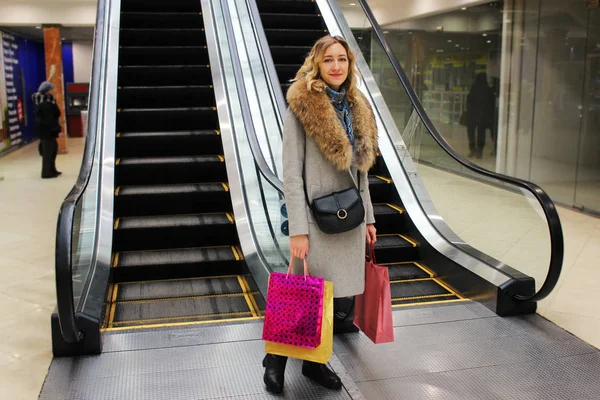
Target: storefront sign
[13,119]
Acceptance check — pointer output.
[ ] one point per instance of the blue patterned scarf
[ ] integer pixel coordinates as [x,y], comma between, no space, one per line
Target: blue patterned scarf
[340,103]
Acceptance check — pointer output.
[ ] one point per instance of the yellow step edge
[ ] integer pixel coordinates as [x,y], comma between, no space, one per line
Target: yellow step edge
[118,161]
[425,269]
[412,242]
[178,279]
[116,260]
[395,207]
[383,178]
[119,134]
[176,324]
[246,297]
[448,288]
[221,158]
[151,320]
[117,223]
[225,186]
[412,280]
[117,191]
[239,253]
[181,298]
[429,303]
[252,298]
[113,306]
[429,296]
[230,218]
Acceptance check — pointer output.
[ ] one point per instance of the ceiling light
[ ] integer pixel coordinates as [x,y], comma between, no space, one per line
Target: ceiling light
[458,45]
[489,41]
[464,8]
[386,31]
[410,33]
[449,41]
[352,4]
[38,27]
[484,35]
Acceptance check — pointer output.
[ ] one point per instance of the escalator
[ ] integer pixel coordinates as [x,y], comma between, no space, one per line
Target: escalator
[291,28]
[176,253]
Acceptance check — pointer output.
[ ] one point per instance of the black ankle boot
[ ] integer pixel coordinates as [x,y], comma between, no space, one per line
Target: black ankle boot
[274,372]
[321,374]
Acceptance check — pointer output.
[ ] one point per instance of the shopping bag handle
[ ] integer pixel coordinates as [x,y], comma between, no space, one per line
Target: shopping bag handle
[370,253]
[306,270]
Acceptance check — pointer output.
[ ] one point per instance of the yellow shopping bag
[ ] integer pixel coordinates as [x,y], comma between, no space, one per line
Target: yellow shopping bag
[321,353]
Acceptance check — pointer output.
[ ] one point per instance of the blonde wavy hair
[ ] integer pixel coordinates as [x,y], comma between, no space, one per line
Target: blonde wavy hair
[310,73]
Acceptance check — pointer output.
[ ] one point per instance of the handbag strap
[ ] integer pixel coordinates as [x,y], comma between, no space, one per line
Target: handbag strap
[304,174]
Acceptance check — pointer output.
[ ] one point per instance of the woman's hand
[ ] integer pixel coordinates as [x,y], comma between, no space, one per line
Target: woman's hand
[299,246]
[371,233]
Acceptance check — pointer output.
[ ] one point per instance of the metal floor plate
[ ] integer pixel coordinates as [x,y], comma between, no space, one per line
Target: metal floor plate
[454,351]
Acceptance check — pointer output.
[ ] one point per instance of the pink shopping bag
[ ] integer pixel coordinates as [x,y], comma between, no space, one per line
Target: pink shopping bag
[294,310]
[373,308]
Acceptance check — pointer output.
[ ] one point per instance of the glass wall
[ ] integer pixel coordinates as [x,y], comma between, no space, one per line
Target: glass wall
[514,85]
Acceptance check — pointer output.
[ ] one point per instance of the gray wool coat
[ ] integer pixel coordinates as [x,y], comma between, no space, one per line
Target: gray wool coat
[339,258]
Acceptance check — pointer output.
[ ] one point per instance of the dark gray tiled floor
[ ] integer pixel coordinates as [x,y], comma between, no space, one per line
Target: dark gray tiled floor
[459,351]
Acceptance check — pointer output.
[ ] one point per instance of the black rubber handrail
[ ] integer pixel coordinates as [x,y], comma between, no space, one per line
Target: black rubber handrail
[554,225]
[66,216]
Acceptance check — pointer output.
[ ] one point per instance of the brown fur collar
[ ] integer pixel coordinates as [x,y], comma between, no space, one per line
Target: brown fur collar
[319,119]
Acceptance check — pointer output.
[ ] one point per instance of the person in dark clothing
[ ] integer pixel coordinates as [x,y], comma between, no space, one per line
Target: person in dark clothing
[480,114]
[47,128]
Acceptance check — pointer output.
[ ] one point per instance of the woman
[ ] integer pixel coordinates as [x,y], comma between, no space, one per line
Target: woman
[481,104]
[329,134]
[47,128]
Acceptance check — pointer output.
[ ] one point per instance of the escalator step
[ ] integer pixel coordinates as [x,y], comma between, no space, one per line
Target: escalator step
[177,263]
[163,20]
[181,310]
[286,72]
[296,7]
[145,144]
[164,75]
[162,55]
[387,209]
[291,21]
[177,288]
[391,248]
[416,289]
[289,54]
[154,119]
[169,199]
[388,218]
[293,37]
[162,37]
[169,170]
[173,231]
[161,6]
[165,96]
[381,189]
[405,271]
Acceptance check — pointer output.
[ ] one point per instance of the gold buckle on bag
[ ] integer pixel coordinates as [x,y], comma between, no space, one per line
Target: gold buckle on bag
[342,214]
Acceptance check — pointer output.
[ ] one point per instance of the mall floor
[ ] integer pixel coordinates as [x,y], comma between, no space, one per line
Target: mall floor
[28,212]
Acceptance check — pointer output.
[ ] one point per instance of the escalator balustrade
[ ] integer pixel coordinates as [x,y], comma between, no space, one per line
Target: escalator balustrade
[291,28]
[176,254]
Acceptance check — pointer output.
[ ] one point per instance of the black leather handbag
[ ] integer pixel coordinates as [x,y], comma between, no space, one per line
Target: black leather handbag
[339,211]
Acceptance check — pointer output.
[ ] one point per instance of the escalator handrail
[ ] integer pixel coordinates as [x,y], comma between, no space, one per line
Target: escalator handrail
[66,216]
[552,217]
[259,158]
